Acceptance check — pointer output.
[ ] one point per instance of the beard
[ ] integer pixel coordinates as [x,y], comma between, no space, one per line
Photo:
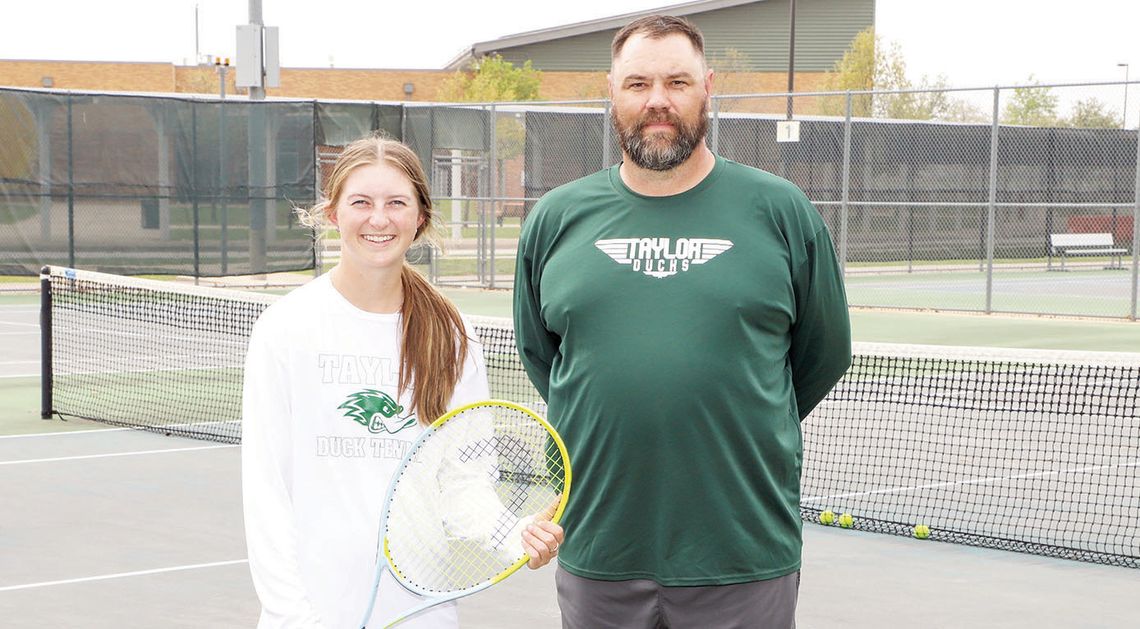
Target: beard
[658,151]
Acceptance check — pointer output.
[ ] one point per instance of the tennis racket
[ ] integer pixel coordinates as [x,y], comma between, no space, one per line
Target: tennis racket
[457,505]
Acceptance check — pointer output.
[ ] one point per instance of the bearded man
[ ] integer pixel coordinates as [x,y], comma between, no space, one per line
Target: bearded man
[681,314]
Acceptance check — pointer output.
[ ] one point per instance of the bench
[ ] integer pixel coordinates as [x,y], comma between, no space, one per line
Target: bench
[1065,245]
[504,209]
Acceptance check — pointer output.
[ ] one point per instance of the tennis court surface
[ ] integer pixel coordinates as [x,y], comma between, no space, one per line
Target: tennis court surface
[977,447]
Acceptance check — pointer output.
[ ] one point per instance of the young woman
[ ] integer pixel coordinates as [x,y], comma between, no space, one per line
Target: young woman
[341,377]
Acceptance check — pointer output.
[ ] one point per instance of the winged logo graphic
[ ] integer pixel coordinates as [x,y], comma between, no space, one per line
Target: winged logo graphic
[662,257]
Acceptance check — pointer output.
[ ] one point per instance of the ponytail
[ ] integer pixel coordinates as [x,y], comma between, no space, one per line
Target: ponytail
[434,346]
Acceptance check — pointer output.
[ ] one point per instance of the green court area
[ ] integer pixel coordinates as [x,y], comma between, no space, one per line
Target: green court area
[20,401]
[932,328]
[1089,290]
[885,325]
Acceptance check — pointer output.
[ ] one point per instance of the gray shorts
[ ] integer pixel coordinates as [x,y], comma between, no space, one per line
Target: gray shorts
[645,604]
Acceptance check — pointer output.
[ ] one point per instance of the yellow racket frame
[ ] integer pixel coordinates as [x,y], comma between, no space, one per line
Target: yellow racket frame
[555,518]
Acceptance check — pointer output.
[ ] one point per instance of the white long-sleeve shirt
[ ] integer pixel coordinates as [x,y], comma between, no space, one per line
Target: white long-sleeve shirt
[324,428]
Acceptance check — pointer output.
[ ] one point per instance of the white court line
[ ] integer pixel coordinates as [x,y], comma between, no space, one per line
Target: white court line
[18,362]
[34,333]
[115,454]
[22,375]
[103,430]
[975,481]
[102,577]
[22,325]
[66,432]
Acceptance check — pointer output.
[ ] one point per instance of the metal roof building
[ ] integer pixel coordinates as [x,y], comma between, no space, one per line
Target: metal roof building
[757,29]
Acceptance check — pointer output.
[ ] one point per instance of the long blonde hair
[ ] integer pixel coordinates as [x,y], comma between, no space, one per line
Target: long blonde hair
[433,347]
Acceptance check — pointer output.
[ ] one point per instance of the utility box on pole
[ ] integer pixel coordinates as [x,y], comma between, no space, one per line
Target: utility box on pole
[271,57]
[250,62]
[258,58]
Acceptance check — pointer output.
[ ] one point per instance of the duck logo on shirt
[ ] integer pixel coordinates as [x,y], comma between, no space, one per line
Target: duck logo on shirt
[376,411]
[662,257]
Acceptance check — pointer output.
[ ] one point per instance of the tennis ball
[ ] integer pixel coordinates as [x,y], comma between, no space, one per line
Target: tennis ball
[922,531]
[846,521]
[827,517]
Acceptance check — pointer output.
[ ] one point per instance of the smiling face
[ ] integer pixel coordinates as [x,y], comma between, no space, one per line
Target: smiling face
[660,89]
[379,216]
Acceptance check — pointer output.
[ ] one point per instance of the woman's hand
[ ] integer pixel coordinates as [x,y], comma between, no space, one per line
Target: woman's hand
[541,539]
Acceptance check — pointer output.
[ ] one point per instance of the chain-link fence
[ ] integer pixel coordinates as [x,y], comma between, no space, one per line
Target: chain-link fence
[143,184]
[938,199]
[961,199]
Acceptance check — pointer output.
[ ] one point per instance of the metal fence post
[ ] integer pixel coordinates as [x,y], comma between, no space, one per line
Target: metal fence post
[607,125]
[220,183]
[43,141]
[844,204]
[318,229]
[70,185]
[194,210]
[714,137]
[494,190]
[992,204]
[1136,230]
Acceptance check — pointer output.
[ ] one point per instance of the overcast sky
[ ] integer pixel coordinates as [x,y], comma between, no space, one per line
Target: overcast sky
[971,42]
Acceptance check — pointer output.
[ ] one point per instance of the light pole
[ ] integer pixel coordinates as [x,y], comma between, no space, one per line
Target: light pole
[1124,114]
[221,67]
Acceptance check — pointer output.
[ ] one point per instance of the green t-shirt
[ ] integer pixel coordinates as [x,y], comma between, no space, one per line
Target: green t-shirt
[678,342]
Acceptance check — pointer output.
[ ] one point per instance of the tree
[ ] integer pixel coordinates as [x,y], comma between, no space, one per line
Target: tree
[908,105]
[731,78]
[1093,114]
[871,64]
[935,103]
[958,110]
[855,71]
[491,80]
[1031,106]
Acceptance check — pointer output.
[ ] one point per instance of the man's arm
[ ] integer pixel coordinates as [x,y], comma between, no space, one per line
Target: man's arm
[537,346]
[821,336]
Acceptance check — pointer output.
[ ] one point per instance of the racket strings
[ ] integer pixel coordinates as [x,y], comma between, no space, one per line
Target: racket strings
[458,509]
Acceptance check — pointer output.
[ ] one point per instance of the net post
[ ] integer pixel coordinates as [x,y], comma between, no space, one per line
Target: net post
[45,343]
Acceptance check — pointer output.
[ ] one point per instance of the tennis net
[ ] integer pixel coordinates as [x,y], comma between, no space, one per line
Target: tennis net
[1032,451]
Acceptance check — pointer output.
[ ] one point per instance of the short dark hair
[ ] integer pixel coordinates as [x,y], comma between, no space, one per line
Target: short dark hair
[656,27]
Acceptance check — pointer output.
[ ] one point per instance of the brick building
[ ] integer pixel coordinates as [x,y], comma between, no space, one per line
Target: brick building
[573,58]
